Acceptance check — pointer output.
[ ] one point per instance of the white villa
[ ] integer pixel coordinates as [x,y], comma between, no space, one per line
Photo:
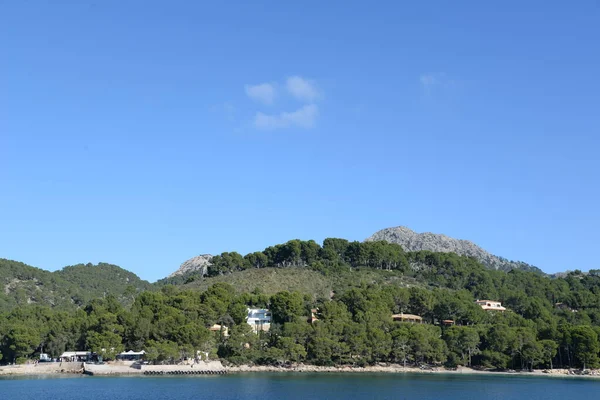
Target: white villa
[259,319]
[490,305]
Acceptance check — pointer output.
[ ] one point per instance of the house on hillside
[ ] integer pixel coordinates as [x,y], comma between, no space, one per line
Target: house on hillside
[490,305]
[313,316]
[259,319]
[563,306]
[220,328]
[407,318]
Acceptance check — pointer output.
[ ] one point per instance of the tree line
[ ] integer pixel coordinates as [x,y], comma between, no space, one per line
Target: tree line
[355,328]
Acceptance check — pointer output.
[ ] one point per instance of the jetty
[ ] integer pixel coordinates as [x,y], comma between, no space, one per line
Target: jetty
[50,368]
[201,368]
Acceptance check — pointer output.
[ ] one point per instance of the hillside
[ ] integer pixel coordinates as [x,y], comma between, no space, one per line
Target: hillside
[273,280]
[23,284]
[104,279]
[413,241]
[391,254]
[71,287]
[358,288]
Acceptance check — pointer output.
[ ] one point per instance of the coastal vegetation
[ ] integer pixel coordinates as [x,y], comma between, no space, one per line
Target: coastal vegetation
[355,288]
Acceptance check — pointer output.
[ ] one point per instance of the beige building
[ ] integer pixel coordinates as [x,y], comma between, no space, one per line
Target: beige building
[408,318]
[219,328]
[313,315]
[490,305]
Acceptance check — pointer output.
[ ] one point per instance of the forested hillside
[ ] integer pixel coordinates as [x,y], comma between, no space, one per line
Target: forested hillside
[356,288]
[69,288]
[98,280]
[23,284]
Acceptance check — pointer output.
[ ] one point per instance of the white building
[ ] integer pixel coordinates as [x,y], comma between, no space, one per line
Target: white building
[75,356]
[259,319]
[131,355]
[490,305]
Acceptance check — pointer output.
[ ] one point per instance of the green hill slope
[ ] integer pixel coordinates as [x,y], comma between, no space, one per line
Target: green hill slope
[69,288]
[23,284]
[273,280]
[103,279]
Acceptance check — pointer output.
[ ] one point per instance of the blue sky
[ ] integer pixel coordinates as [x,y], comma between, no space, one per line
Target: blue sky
[144,133]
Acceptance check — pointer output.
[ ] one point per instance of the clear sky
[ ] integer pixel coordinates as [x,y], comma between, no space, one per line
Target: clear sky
[143,133]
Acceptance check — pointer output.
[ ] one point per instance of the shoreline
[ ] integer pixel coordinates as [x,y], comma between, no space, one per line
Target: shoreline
[399,369]
[216,368]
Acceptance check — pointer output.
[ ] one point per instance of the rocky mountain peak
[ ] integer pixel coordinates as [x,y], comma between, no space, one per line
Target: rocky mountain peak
[199,263]
[413,241]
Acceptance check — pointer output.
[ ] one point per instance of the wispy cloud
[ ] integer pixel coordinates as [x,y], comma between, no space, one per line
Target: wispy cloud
[305,117]
[264,93]
[302,89]
[429,80]
[432,82]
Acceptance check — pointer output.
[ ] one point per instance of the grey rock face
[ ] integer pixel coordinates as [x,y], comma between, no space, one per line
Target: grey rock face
[413,241]
[199,263]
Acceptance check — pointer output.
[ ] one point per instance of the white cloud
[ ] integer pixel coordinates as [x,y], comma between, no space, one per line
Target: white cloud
[302,89]
[304,117]
[264,92]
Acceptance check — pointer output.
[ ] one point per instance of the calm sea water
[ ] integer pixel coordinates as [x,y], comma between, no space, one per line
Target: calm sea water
[299,386]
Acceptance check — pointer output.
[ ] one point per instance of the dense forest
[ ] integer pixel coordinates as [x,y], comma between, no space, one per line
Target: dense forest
[70,288]
[549,322]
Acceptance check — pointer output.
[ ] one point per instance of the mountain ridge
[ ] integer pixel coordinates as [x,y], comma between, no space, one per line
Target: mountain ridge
[414,241]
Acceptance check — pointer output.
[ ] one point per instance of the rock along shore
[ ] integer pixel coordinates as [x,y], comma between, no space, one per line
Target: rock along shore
[396,369]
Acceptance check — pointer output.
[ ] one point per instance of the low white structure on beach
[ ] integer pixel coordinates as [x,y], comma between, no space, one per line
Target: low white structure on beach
[73,356]
[259,319]
[131,355]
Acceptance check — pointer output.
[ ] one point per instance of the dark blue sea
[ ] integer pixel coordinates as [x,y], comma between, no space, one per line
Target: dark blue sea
[300,386]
